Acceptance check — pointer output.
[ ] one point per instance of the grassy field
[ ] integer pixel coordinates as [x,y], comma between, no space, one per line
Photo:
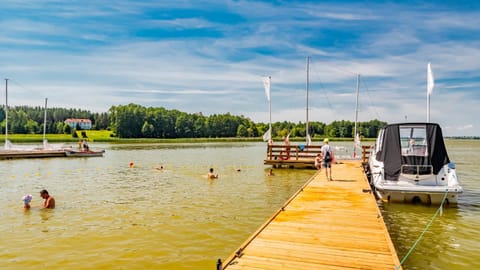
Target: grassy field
[92,135]
[105,136]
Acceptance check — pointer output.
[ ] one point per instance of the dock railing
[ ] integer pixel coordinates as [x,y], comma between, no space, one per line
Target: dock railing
[366,151]
[292,152]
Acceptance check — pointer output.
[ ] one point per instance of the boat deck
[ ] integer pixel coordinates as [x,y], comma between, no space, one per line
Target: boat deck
[325,225]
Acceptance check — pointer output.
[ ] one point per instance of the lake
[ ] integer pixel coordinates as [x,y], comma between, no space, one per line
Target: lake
[113,216]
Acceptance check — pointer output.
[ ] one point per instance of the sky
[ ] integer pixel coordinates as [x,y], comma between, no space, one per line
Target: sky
[211,57]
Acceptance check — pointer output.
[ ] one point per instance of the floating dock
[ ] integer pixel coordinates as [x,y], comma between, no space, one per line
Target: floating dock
[325,225]
[14,154]
[67,152]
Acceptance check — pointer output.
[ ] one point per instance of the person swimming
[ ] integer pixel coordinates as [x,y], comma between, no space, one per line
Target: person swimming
[211,174]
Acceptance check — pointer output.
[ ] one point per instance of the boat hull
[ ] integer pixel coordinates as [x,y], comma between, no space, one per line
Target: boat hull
[84,153]
[434,198]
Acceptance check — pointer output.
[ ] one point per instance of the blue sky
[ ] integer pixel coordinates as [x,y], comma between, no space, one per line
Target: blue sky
[210,57]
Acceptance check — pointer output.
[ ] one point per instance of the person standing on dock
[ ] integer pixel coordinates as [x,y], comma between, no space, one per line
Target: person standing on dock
[49,200]
[327,157]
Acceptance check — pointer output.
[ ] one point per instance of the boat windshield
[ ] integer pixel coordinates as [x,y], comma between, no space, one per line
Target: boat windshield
[413,140]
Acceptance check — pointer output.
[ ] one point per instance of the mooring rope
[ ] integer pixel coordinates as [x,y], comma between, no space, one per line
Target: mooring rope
[439,210]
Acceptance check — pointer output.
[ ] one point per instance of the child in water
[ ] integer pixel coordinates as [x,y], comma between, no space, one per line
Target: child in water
[26,201]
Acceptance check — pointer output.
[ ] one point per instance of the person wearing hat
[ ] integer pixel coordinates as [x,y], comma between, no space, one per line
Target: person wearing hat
[27,199]
[327,157]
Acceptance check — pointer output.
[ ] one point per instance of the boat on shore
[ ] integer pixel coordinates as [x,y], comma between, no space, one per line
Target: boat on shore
[409,163]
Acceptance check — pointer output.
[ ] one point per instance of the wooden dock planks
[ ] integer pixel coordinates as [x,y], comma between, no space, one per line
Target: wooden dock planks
[325,225]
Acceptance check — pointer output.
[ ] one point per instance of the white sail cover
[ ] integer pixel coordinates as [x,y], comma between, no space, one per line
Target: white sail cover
[309,139]
[430,79]
[266,83]
[357,144]
[268,135]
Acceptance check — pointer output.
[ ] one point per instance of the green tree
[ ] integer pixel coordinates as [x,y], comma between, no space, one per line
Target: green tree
[148,130]
[242,131]
[31,127]
[67,129]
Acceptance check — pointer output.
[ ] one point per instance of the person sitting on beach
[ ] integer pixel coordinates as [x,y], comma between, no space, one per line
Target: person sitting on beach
[211,174]
[26,201]
[49,200]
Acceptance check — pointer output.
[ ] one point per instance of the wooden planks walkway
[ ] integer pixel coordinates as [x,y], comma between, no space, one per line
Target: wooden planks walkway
[325,225]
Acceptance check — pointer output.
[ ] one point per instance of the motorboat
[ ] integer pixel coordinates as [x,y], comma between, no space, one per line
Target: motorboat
[409,163]
[84,153]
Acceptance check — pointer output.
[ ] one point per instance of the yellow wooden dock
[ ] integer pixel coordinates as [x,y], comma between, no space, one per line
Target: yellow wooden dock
[325,225]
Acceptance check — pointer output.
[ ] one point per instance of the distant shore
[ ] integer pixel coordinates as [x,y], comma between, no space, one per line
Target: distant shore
[104,136]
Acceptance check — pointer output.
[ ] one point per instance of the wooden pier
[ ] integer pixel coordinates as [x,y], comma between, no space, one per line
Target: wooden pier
[14,154]
[325,225]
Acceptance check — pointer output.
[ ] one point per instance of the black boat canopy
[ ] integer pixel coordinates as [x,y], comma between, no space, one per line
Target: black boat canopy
[411,146]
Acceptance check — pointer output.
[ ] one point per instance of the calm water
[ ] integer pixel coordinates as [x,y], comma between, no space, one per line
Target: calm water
[111,216]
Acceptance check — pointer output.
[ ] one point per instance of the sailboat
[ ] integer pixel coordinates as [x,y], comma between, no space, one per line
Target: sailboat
[46,145]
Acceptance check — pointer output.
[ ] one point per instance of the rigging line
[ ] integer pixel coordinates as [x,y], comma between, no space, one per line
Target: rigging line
[370,98]
[439,210]
[23,87]
[341,69]
[324,90]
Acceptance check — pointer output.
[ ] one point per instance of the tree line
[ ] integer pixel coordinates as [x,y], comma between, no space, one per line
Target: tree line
[30,120]
[136,121]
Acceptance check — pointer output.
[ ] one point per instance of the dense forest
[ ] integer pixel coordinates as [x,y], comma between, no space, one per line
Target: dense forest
[136,121]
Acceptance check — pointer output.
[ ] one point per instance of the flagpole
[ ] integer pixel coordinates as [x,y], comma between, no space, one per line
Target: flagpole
[430,85]
[270,106]
[428,106]
[45,125]
[356,118]
[307,135]
[6,113]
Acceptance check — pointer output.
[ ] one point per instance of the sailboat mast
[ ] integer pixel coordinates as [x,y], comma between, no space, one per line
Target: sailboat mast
[307,135]
[270,105]
[45,121]
[6,112]
[356,106]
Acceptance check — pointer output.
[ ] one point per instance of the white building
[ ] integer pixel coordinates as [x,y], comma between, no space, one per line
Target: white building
[79,122]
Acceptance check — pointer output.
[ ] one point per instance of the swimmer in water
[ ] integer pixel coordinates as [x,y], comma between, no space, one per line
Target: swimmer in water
[26,201]
[49,200]
[211,175]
